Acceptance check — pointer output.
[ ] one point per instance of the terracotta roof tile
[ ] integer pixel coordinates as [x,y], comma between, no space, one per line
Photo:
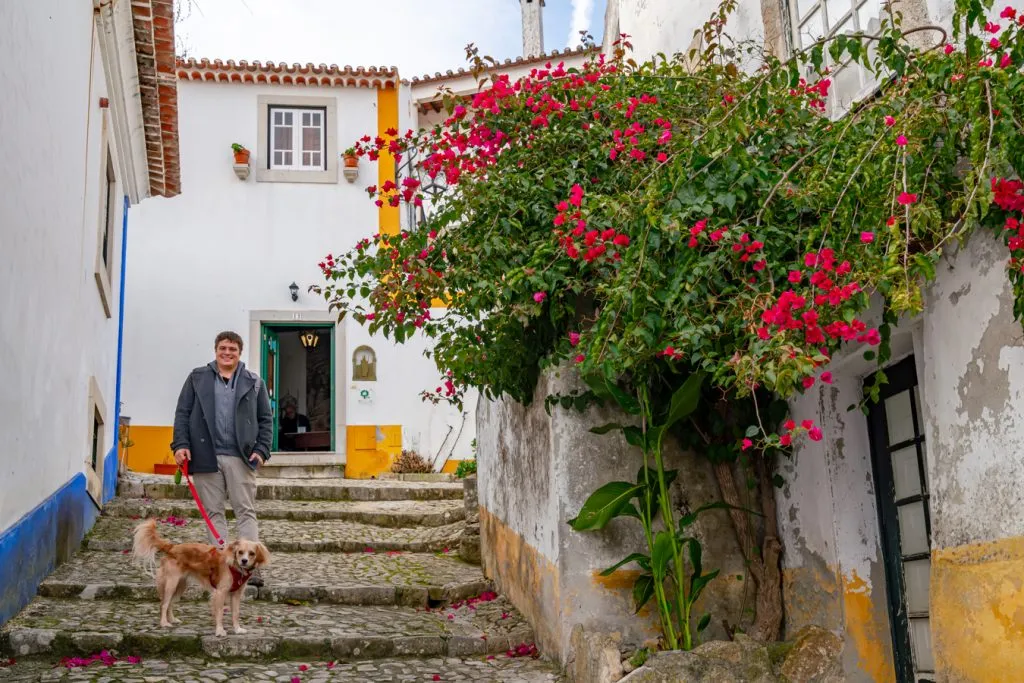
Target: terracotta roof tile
[518,61]
[153,25]
[287,74]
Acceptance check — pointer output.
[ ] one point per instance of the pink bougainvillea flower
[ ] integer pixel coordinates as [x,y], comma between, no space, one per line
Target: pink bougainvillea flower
[890,121]
[808,382]
[662,157]
[901,140]
[789,425]
[785,440]
[621,240]
[867,237]
[1005,60]
[296,679]
[814,433]
[580,358]
[574,338]
[539,296]
[436,677]
[949,49]
[906,198]
[891,221]
[747,443]
[303,667]
[956,77]
[826,377]
[1008,13]
[995,44]
[992,28]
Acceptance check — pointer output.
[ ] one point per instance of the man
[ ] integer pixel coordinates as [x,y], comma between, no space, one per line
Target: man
[291,421]
[224,426]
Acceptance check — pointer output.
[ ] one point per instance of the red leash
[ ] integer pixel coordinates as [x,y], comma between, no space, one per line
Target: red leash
[199,504]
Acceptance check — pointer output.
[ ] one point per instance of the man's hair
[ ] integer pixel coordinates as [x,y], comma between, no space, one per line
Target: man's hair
[230,336]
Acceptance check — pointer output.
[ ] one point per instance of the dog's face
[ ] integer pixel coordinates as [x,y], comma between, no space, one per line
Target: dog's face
[248,555]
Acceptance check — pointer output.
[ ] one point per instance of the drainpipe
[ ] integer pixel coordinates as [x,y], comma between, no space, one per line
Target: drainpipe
[120,342]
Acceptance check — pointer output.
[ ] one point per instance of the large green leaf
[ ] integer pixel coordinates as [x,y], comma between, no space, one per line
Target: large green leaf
[639,558]
[604,429]
[704,621]
[696,552]
[661,554]
[607,389]
[643,589]
[684,400]
[688,519]
[604,505]
[699,583]
[634,436]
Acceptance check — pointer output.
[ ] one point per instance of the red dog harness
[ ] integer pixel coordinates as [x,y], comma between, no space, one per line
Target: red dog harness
[239,577]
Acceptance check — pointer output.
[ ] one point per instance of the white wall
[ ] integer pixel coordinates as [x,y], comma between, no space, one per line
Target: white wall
[54,334]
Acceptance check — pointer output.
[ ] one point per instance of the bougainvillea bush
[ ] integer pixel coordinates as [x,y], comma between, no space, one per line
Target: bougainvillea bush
[698,239]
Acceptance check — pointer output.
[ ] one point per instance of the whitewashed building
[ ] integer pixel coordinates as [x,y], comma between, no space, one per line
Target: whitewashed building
[241,247]
[87,129]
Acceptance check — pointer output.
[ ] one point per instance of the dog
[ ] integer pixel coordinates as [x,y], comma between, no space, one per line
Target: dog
[223,572]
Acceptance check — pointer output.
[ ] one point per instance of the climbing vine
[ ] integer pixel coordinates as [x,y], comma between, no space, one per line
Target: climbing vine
[698,217]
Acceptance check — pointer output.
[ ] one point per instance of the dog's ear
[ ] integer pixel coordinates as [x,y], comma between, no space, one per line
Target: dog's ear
[262,555]
[231,548]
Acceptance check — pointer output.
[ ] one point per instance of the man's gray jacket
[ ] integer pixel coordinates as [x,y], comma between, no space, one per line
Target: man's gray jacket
[195,418]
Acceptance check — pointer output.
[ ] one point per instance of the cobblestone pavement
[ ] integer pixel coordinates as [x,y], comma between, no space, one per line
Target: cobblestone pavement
[163,486]
[378,578]
[115,533]
[389,513]
[500,669]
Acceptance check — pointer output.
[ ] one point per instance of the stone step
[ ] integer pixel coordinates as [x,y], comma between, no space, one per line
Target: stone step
[388,513]
[424,476]
[406,579]
[332,536]
[160,486]
[52,627]
[304,466]
[498,668]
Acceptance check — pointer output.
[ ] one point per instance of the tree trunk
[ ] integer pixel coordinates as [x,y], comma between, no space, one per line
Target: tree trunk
[763,566]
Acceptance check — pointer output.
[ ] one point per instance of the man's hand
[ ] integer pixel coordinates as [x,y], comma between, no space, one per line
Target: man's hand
[256,458]
[181,455]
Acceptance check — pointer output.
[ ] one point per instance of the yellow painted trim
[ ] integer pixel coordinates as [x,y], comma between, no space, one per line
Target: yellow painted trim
[450,467]
[371,450]
[151,444]
[977,611]
[387,117]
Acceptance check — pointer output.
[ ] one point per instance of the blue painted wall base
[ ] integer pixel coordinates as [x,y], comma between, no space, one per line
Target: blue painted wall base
[42,539]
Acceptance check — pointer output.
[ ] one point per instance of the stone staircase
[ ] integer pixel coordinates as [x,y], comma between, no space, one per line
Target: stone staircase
[365,585]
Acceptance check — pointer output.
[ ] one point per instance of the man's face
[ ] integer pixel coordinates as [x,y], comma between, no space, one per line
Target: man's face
[227,353]
[289,411]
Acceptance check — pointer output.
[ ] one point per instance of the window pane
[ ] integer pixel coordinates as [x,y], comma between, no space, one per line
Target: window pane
[921,638]
[306,118]
[278,117]
[905,473]
[805,6]
[869,16]
[812,29]
[311,139]
[278,158]
[897,414]
[837,9]
[288,118]
[282,138]
[287,158]
[315,159]
[913,533]
[917,406]
[315,118]
[916,576]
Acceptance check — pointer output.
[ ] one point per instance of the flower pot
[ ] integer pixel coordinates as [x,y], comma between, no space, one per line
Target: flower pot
[242,157]
[351,161]
[164,468]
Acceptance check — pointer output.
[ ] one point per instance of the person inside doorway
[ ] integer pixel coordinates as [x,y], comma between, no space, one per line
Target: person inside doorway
[223,427]
[292,423]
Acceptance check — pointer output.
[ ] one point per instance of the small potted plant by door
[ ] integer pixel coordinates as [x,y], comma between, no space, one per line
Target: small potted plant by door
[168,466]
[351,170]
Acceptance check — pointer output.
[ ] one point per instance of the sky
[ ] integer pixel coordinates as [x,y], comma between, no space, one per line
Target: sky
[418,36]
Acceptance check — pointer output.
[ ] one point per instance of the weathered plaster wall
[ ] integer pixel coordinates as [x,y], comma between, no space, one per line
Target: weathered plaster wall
[535,472]
[973,403]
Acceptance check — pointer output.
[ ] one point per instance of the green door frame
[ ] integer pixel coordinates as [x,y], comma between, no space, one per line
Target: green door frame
[275,326]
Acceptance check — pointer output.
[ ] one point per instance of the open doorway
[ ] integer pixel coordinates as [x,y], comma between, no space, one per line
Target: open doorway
[297,363]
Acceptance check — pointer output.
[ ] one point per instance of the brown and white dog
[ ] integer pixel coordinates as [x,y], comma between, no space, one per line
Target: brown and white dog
[223,572]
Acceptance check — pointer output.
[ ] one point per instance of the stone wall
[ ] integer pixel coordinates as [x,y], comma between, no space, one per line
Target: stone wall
[535,472]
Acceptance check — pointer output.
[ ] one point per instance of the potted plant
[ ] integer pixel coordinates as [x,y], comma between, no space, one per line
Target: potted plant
[351,160]
[241,153]
[168,466]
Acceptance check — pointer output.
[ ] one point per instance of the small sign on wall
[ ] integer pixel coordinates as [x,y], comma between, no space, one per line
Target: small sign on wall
[363,394]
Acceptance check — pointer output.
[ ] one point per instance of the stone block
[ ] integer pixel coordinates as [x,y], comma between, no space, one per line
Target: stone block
[814,657]
[719,661]
[595,657]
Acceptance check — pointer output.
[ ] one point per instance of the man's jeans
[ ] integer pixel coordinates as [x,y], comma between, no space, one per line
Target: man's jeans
[235,481]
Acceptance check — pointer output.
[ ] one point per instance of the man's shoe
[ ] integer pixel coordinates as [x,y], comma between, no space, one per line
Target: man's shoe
[257,578]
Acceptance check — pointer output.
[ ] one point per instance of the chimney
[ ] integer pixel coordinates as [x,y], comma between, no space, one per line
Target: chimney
[533,27]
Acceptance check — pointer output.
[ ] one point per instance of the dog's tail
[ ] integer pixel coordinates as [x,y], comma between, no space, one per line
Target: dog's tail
[147,543]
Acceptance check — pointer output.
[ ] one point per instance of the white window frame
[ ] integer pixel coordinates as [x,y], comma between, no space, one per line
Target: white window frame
[97,412]
[838,101]
[109,213]
[266,170]
[298,127]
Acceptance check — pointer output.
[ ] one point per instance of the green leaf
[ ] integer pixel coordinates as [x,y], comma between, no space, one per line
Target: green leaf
[604,429]
[704,621]
[643,590]
[687,520]
[695,556]
[752,430]
[684,400]
[607,389]
[661,555]
[604,505]
[639,558]
[177,477]
[699,583]
[634,436]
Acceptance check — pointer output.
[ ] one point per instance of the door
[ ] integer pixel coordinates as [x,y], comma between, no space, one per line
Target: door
[901,488]
[270,366]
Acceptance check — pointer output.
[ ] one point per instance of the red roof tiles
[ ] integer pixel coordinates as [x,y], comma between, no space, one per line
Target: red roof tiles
[286,74]
[518,61]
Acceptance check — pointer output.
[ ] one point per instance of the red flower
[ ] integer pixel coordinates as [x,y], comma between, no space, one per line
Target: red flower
[436,677]
[580,358]
[303,667]
[808,382]
[867,237]
[901,141]
[1008,13]
[785,440]
[539,296]
[994,44]
[795,276]
[747,443]
[992,28]
[574,338]
[621,240]
[789,425]
[906,198]
[826,377]
[814,433]
[949,49]
[1005,61]
[890,121]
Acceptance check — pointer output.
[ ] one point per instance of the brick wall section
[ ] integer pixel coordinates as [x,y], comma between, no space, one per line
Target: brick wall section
[153,22]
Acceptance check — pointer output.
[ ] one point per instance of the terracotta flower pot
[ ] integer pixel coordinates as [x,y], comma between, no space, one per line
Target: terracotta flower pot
[164,468]
[242,157]
[351,161]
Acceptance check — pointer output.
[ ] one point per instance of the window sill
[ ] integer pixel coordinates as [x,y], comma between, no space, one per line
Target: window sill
[266,175]
[103,285]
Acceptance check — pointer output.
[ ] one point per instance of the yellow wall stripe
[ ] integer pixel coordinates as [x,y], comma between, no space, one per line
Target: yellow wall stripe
[387,117]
